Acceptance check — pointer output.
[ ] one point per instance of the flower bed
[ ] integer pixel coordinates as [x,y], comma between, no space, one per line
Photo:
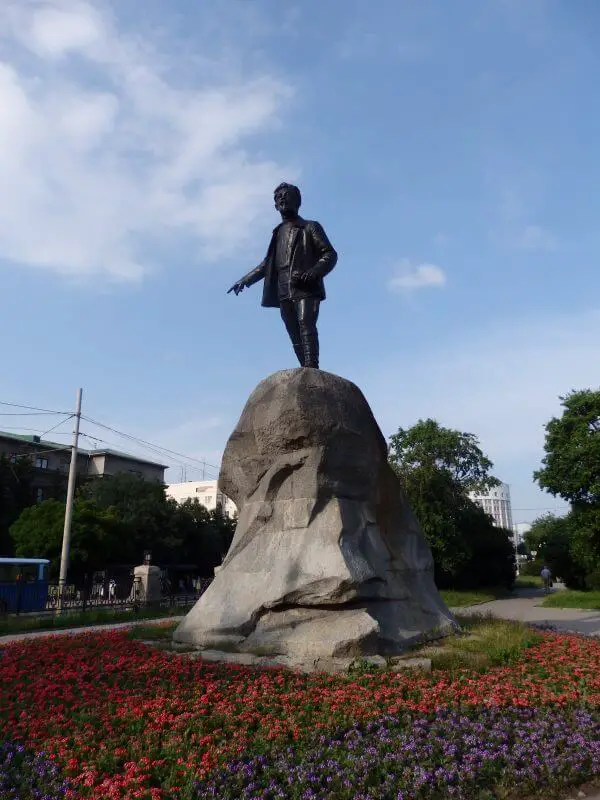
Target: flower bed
[123,720]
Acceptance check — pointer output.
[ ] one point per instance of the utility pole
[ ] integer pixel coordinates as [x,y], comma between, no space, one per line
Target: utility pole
[66,542]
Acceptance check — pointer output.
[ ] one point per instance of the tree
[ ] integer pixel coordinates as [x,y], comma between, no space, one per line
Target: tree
[148,518]
[16,493]
[571,467]
[429,445]
[175,534]
[438,467]
[206,535]
[551,538]
[95,536]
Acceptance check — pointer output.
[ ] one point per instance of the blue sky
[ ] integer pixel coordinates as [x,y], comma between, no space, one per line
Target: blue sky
[449,150]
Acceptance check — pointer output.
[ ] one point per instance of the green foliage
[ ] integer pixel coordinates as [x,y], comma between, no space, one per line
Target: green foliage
[115,519]
[16,493]
[532,568]
[148,517]
[428,445]
[486,642]
[553,540]
[573,599]
[571,467]
[460,598]
[95,535]
[438,467]
[28,623]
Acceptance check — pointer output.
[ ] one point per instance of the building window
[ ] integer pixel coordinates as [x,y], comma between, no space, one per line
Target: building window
[41,463]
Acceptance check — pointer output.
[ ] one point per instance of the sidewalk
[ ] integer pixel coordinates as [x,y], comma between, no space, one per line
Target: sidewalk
[110,626]
[525,608]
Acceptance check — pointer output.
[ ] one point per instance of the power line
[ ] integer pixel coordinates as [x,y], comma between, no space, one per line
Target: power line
[58,424]
[150,445]
[29,413]
[32,408]
[173,462]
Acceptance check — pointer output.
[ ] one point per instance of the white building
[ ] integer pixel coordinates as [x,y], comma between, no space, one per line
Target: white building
[496,503]
[206,492]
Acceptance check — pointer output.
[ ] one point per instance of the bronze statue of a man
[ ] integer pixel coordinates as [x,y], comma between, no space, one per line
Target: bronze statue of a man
[298,258]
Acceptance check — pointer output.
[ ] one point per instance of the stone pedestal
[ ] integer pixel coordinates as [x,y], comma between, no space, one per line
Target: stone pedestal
[147,578]
[327,560]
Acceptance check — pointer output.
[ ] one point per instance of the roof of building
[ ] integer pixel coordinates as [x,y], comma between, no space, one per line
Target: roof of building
[35,440]
[128,456]
[29,439]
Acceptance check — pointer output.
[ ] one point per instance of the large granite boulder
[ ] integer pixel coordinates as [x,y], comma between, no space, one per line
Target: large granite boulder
[327,560]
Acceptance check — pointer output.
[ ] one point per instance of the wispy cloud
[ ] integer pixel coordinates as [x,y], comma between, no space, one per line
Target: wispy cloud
[410,276]
[535,237]
[107,153]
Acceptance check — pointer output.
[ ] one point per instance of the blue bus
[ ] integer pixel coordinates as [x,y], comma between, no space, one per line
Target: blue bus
[23,584]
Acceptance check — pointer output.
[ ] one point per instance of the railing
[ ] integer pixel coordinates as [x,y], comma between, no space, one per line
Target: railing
[128,596]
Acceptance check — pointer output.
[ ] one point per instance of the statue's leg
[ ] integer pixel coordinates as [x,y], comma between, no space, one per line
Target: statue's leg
[308,314]
[290,319]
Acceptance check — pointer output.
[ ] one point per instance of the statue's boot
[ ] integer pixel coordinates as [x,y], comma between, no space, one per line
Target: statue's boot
[310,344]
[299,350]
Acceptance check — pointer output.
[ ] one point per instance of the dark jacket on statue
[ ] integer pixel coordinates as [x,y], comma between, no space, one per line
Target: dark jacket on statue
[308,249]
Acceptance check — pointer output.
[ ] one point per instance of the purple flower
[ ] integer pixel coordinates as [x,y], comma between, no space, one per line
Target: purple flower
[454,752]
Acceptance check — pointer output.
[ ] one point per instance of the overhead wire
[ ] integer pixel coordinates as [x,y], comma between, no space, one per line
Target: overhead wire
[150,445]
[58,424]
[172,461]
[33,408]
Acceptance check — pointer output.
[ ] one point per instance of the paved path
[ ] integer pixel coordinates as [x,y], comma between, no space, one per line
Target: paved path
[526,607]
[111,626]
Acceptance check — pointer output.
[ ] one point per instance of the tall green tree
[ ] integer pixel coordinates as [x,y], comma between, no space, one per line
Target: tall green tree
[571,466]
[95,536]
[16,494]
[428,445]
[438,467]
[551,538]
[206,535]
[571,470]
[148,517]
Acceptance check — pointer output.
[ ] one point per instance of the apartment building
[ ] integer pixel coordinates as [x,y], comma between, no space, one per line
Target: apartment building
[496,502]
[206,492]
[51,462]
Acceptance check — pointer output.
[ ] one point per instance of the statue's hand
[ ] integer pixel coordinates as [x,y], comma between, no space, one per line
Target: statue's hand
[308,276]
[237,287]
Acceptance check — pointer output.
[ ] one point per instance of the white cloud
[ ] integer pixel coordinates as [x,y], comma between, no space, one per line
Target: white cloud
[410,277]
[535,237]
[104,153]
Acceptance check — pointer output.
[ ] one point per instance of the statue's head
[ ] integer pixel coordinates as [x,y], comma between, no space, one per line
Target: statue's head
[287,199]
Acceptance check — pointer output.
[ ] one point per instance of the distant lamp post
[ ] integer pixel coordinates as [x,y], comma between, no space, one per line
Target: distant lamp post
[147,556]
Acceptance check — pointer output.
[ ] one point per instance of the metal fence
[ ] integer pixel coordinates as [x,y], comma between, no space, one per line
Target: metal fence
[40,598]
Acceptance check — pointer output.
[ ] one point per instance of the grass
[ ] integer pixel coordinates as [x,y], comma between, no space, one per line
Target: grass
[485,642]
[529,582]
[457,598]
[80,619]
[573,599]
[153,633]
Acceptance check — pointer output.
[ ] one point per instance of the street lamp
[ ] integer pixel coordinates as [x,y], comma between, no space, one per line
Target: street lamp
[147,557]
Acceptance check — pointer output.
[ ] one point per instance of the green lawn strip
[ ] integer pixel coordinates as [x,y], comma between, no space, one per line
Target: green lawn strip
[529,582]
[158,633]
[81,619]
[457,598]
[573,599]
